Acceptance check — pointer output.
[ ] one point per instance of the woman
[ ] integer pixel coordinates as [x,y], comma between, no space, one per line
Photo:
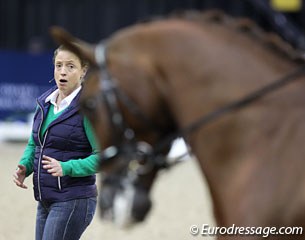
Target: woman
[62,155]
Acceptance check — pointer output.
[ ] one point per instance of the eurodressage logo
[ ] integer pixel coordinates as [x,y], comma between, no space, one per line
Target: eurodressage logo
[265,232]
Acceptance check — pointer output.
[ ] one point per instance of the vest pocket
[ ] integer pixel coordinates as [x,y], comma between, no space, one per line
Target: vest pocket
[59,183]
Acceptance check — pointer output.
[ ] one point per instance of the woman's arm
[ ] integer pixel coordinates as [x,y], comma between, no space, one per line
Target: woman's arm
[27,158]
[86,166]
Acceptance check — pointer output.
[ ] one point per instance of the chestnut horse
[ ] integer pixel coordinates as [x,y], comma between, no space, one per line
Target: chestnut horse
[175,71]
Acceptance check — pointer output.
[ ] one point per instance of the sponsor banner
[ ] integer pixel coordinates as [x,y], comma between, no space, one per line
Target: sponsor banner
[24,77]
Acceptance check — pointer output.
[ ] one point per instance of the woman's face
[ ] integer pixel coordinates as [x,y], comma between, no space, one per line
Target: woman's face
[67,71]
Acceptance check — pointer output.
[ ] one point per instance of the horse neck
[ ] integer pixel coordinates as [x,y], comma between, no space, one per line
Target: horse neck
[210,78]
[214,69]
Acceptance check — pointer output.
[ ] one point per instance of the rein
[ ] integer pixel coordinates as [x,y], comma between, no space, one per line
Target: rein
[233,106]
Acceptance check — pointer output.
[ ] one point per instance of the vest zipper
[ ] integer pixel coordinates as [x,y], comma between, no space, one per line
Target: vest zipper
[40,156]
[59,184]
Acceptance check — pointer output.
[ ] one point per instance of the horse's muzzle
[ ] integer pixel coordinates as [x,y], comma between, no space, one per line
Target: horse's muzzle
[124,204]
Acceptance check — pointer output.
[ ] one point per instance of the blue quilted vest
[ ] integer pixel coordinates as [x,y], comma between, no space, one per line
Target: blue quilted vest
[64,139]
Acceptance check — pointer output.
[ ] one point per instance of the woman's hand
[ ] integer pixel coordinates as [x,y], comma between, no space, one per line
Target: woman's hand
[52,165]
[19,176]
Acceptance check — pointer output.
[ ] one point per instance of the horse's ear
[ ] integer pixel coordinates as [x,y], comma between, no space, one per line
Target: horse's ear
[81,48]
[61,36]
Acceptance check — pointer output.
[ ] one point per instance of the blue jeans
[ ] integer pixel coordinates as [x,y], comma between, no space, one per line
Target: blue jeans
[64,220]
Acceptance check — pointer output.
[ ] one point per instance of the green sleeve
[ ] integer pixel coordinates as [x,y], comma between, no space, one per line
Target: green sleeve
[27,158]
[85,166]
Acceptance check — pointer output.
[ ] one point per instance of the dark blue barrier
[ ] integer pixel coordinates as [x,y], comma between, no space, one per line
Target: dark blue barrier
[23,78]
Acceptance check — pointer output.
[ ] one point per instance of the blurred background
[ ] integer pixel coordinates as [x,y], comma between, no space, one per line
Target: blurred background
[181,197]
[26,47]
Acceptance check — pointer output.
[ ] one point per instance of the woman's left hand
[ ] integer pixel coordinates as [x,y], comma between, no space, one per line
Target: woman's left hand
[52,165]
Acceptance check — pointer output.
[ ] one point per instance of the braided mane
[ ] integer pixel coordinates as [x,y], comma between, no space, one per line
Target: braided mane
[245,26]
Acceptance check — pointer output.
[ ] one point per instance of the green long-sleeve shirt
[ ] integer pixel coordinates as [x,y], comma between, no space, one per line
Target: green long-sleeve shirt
[73,167]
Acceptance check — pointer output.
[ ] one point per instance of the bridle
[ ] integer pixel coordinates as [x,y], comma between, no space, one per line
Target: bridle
[139,155]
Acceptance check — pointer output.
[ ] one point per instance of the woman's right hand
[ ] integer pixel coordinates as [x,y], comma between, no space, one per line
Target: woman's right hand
[19,176]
